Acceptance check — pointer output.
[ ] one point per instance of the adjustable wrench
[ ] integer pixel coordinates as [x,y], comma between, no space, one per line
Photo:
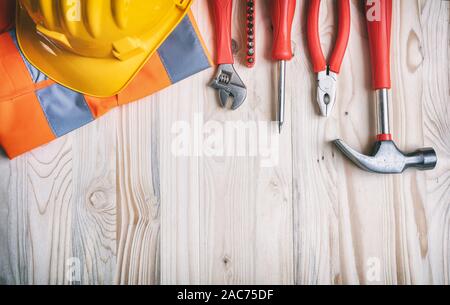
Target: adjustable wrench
[227,81]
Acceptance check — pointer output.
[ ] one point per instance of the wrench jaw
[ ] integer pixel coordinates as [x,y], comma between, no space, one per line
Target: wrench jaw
[229,84]
[239,97]
[388,159]
[326,91]
[223,97]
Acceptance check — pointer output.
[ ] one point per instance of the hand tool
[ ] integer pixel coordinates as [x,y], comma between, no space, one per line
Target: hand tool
[227,81]
[283,12]
[251,33]
[327,73]
[386,157]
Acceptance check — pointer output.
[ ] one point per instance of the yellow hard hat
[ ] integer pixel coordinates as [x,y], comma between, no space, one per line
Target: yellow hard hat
[95,47]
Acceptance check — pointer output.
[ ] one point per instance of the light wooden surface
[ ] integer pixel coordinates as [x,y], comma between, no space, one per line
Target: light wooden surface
[113,198]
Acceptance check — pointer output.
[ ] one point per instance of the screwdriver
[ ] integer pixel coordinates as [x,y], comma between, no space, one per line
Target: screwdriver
[283,12]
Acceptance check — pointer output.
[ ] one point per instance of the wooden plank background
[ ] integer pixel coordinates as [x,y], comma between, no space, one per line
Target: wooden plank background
[114,202]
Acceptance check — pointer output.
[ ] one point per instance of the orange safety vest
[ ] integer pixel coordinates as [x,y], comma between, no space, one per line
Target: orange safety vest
[35,110]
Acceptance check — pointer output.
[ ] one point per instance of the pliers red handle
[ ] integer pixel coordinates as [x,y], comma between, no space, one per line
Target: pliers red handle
[327,73]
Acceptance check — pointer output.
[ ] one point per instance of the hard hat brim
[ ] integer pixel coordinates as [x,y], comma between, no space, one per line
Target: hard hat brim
[97,77]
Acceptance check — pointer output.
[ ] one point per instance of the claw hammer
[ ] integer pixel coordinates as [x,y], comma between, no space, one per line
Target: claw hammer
[386,157]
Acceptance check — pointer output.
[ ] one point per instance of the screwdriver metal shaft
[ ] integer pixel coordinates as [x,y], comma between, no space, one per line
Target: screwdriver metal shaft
[281,93]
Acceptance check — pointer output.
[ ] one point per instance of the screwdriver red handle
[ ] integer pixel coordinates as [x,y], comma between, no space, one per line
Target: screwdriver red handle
[379,20]
[222,10]
[283,12]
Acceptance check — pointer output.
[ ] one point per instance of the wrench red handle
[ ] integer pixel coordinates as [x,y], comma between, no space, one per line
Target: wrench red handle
[283,12]
[315,48]
[379,20]
[222,11]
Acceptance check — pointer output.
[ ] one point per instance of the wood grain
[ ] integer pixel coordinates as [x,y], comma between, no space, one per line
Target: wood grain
[435,19]
[246,212]
[347,218]
[94,212]
[58,208]
[118,197]
[138,194]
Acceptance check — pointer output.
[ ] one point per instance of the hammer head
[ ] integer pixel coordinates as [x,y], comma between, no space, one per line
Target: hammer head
[388,159]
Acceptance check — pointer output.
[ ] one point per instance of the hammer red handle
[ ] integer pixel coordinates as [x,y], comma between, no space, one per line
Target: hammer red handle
[379,20]
[283,12]
[222,10]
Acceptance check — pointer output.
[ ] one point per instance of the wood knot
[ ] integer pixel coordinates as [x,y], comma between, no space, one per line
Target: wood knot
[294,48]
[226,261]
[98,200]
[414,56]
[235,46]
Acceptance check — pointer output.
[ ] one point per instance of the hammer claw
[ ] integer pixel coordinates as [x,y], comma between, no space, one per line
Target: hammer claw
[388,159]
[367,163]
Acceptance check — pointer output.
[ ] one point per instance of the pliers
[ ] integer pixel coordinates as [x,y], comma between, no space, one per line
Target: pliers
[327,73]
[227,81]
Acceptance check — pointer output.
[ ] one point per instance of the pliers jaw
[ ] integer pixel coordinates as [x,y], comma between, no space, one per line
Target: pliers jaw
[326,91]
